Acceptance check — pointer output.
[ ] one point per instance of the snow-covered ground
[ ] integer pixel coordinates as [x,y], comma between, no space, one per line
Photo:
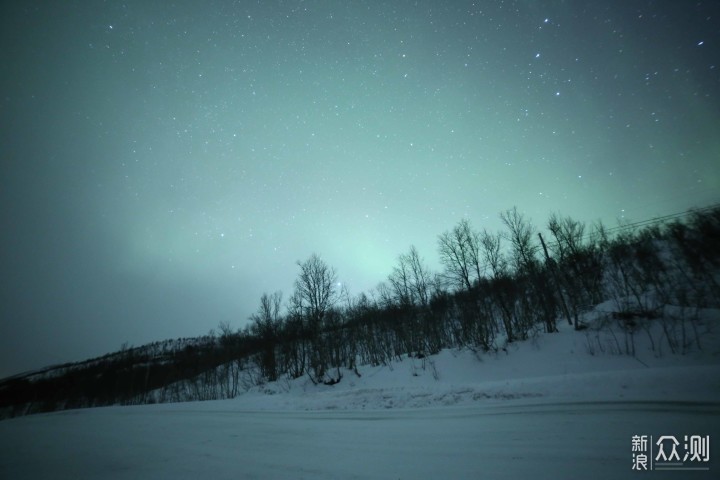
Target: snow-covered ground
[545,408]
[218,441]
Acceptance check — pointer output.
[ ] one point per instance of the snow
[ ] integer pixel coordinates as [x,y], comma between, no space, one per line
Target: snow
[544,408]
[189,441]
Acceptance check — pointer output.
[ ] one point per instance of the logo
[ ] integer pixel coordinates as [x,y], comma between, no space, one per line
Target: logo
[668,453]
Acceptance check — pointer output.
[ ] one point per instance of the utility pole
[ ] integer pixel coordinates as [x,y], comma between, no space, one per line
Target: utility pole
[554,274]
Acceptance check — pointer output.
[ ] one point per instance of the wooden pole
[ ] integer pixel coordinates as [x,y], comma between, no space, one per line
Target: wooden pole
[553,272]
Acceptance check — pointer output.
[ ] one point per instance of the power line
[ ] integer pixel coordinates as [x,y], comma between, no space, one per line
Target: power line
[637,224]
[648,222]
[663,218]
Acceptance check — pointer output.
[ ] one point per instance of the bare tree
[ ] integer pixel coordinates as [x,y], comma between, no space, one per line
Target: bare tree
[266,327]
[461,253]
[316,293]
[538,301]
[568,235]
[466,255]
[229,370]
[579,264]
[384,295]
[520,234]
[501,286]
[316,288]
[294,348]
[400,281]
[412,285]
[411,280]
[491,254]
[269,311]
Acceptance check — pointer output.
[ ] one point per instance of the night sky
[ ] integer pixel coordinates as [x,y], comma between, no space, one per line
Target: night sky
[165,163]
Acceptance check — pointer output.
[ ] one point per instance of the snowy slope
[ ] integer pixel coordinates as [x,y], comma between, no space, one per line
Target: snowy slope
[545,408]
[552,368]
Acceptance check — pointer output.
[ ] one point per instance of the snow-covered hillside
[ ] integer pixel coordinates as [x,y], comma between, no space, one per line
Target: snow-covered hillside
[558,367]
[551,407]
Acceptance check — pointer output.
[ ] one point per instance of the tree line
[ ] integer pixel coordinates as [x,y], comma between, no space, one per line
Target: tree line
[495,288]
